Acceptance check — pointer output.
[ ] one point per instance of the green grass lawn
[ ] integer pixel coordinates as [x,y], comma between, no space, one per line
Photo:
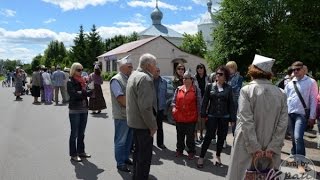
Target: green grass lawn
[1,78]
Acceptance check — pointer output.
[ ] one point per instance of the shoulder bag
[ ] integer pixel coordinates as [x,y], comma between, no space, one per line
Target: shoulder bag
[306,109]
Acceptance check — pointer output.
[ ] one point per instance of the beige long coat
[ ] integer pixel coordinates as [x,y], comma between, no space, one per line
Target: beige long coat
[261,125]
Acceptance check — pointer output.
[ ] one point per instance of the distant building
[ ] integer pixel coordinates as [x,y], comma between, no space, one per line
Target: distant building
[157,29]
[158,40]
[168,55]
[207,25]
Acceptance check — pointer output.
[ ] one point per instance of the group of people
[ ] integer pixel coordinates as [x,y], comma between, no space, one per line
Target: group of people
[46,83]
[202,106]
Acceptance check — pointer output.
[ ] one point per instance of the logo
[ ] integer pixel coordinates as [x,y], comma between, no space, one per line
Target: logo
[297,167]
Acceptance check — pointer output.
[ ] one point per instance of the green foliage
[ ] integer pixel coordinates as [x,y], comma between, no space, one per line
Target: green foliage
[95,47]
[2,77]
[10,65]
[194,44]
[108,75]
[54,54]
[36,61]
[78,52]
[118,40]
[287,30]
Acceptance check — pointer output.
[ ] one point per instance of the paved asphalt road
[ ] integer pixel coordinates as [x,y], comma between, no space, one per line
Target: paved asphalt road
[34,146]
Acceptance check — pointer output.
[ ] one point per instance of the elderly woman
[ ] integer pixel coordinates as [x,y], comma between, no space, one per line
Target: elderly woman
[262,120]
[186,111]
[235,82]
[96,101]
[218,106]
[78,112]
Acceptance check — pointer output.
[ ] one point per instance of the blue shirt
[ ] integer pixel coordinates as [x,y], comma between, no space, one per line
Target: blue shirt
[161,91]
[116,88]
[58,78]
[308,89]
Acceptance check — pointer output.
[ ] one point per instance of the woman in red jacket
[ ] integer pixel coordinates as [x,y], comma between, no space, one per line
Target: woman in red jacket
[186,112]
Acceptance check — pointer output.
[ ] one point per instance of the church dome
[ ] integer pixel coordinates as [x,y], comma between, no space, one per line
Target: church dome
[156,16]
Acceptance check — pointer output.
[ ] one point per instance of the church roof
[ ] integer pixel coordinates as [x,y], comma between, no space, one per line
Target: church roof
[157,29]
[127,47]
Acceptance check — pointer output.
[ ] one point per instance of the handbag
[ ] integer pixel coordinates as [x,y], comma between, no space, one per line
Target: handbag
[306,109]
[255,173]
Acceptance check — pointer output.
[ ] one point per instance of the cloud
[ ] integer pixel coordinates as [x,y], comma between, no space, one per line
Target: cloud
[48,21]
[67,5]
[189,27]
[152,4]
[25,44]
[7,12]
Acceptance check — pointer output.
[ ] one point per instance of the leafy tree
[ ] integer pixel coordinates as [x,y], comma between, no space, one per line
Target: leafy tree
[36,61]
[95,46]
[54,54]
[118,40]
[194,44]
[286,30]
[78,52]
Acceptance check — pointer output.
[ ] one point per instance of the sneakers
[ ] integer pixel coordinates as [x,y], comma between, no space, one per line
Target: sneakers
[191,156]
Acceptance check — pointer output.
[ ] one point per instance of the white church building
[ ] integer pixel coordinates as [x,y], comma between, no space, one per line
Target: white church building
[160,41]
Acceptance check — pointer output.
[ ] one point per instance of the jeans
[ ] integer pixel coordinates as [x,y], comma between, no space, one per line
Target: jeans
[298,124]
[122,141]
[185,130]
[213,124]
[78,122]
[142,154]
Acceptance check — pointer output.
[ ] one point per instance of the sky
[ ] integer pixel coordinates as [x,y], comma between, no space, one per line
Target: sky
[27,27]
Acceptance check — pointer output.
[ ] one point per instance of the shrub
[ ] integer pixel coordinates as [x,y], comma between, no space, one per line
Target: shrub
[113,73]
[105,76]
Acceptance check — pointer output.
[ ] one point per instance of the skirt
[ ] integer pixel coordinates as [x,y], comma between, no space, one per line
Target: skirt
[35,91]
[96,101]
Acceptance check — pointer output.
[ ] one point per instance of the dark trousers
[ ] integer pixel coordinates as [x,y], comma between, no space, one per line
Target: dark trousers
[160,118]
[142,154]
[213,124]
[185,130]
[78,122]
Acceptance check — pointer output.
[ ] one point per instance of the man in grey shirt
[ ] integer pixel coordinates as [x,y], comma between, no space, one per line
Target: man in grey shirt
[58,79]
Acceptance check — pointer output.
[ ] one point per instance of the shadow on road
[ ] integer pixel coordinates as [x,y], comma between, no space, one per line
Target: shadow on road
[86,170]
[100,115]
[184,161]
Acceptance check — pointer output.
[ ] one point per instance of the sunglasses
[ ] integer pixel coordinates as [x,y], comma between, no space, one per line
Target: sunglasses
[200,67]
[79,70]
[220,74]
[180,69]
[296,69]
[186,78]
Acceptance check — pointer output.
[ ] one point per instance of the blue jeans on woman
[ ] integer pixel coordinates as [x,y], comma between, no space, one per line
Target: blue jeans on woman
[298,124]
[78,122]
[123,138]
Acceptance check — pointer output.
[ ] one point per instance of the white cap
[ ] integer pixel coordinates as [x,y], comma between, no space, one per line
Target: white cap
[188,73]
[263,63]
[66,69]
[123,61]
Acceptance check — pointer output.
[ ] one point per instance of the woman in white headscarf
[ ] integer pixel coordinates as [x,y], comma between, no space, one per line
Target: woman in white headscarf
[262,121]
